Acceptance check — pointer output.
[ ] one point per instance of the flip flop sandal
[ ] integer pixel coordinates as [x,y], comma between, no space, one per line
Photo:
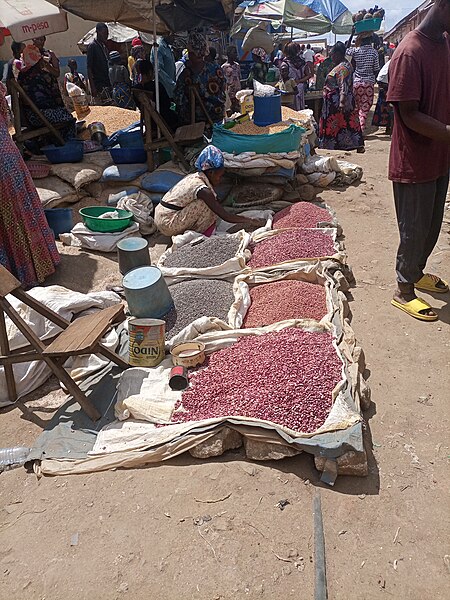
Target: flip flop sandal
[415,309]
[430,283]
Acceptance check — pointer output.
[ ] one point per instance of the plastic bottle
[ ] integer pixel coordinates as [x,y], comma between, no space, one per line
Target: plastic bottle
[11,458]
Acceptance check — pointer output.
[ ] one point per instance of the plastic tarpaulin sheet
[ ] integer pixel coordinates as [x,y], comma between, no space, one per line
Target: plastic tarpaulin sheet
[314,16]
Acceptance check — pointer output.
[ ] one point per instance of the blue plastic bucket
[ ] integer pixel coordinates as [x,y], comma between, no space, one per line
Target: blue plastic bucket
[267,110]
[132,253]
[60,220]
[147,293]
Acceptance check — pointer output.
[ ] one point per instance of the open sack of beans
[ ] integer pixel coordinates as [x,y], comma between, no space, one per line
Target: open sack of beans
[266,215]
[294,381]
[309,215]
[193,255]
[200,306]
[291,246]
[306,296]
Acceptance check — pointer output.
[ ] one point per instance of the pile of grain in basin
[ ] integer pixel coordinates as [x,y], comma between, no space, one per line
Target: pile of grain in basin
[195,299]
[112,117]
[208,253]
[301,214]
[249,128]
[285,377]
[284,300]
[291,245]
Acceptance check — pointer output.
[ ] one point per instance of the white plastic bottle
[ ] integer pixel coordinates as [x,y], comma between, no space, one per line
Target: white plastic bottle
[11,458]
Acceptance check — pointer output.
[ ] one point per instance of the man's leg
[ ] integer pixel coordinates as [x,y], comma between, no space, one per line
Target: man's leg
[414,205]
[436,219]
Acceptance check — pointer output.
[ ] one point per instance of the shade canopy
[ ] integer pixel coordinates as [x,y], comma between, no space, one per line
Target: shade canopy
[149,16]
[28,19]
[313,16]
[117,33]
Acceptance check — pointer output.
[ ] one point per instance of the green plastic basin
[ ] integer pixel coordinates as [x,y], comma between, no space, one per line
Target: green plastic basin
[92,221]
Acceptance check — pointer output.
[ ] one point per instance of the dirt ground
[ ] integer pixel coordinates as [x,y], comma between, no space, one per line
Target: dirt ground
[136,533]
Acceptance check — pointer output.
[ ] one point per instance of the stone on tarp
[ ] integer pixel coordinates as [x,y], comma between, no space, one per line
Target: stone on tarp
[223,440]
[53,191]
[351,463]
[256,450]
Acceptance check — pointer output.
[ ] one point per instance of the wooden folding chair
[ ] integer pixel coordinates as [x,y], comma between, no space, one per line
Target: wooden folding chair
[22,132]
[78,338]
[183,135]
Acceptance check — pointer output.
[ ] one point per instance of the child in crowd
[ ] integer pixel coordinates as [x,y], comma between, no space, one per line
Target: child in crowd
[288,86]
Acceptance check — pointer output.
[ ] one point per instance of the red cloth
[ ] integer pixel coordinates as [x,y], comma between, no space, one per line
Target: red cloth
[136,42]
[419,70]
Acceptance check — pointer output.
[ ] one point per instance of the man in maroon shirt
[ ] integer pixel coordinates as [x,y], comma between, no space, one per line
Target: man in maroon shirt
[419,164]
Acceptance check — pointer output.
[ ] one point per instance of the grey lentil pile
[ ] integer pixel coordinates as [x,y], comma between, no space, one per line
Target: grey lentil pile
[198,298]
[209,253]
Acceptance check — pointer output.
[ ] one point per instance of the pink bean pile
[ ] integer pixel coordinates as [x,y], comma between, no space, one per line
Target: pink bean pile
[285,377]
[282,300]
[290,245]
[302,214]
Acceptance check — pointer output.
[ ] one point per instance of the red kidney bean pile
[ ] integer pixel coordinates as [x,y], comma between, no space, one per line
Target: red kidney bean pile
[290,245]
[301,214]
[285,377]
[282,300]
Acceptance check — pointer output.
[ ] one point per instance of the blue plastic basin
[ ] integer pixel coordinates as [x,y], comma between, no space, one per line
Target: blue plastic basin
[128,156]
[71,152]
[131,139]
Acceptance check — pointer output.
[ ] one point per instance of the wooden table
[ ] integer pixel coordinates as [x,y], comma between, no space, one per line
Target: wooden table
[314,101]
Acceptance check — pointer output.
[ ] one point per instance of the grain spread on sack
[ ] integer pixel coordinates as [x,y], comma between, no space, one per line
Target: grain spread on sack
[195,299]
[285,377]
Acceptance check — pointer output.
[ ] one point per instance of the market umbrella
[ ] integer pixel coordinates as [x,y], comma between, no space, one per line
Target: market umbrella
[27,19]
[313,16]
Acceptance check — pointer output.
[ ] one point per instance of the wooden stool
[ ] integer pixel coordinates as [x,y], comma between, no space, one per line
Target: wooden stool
[78,338]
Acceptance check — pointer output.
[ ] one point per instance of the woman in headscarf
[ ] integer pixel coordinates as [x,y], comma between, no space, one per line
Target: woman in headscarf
[366,63]
[299,70]
[192,203]
[206,77]
[43,89]
[27,245]
[339,127]
[120,81]
[259,69]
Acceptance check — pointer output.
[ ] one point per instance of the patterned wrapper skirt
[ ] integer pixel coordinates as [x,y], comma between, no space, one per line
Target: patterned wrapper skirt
[27,244]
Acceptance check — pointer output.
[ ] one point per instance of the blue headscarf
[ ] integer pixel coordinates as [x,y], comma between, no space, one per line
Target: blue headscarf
[210,158]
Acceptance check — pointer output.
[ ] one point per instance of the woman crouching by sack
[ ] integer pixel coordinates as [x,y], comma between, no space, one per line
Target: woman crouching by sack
[192,204]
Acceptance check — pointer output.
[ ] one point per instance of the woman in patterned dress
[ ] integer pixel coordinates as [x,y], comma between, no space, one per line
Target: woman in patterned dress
[27,245]
[339,126]
[206,77]
[299,70]
[43,89]
[192,203]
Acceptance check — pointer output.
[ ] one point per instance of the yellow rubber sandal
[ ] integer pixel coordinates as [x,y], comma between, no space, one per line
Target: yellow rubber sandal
[430,283]
[414,308]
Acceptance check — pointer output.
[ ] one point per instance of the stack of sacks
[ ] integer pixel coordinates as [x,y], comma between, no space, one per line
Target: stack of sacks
[322,171]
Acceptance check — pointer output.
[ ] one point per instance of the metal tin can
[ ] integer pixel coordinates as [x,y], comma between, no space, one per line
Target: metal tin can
[146,342]
[178,379]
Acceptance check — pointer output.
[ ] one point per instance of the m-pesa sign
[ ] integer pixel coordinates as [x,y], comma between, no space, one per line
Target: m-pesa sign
[33,28]
[27,19]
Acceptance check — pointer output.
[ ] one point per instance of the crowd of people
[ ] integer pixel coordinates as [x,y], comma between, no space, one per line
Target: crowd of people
[412,104]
